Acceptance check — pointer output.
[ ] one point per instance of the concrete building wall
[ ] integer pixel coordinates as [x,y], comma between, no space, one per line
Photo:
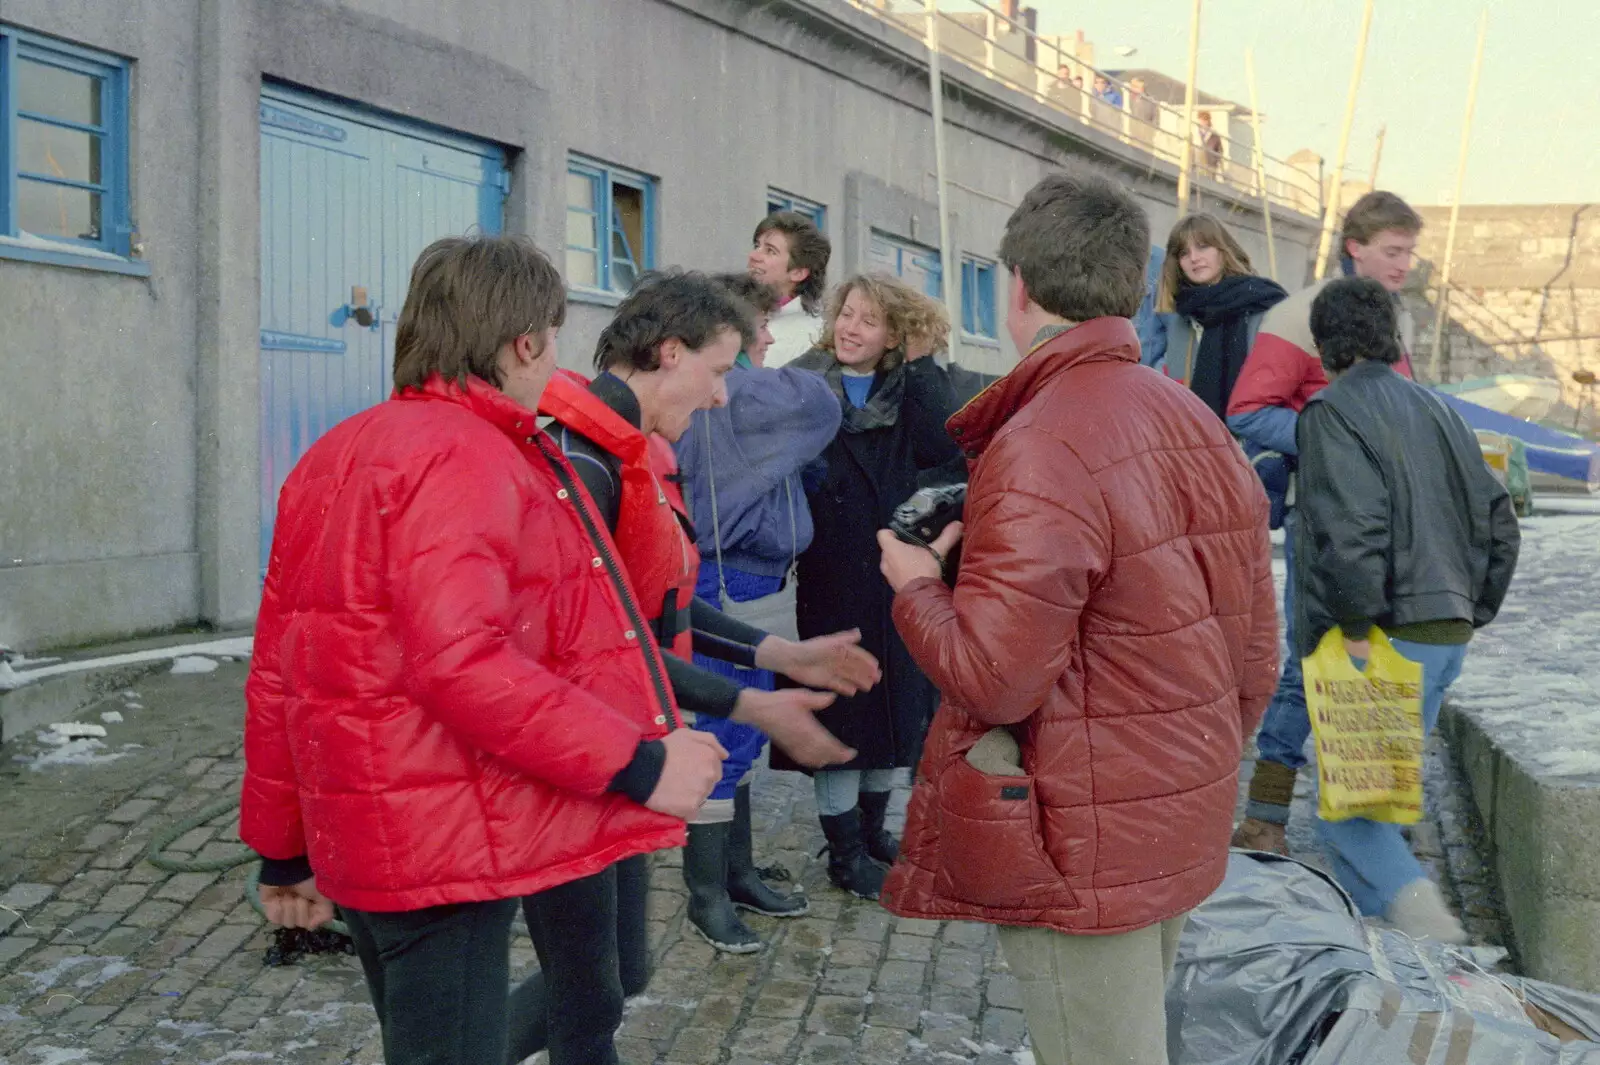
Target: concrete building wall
[133,409]
[97,414]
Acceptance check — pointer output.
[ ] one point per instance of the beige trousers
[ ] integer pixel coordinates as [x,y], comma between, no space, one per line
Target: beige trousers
[1095,1000]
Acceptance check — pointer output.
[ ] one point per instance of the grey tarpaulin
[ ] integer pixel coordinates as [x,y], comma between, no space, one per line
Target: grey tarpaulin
[1277,968]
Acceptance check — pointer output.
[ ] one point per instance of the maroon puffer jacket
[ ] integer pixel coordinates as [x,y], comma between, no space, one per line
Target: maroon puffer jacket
[1115,610]
[449,668]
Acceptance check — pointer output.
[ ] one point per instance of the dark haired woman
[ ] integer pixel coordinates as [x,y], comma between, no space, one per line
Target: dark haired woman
[1210,306]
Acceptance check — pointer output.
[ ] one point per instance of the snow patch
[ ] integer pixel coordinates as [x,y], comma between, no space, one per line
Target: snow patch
[1569,763]
[194,664]
[76,730]
[56,1055]
[44,979]
[73,752]
[110,971]
[112,717]
[187,1029]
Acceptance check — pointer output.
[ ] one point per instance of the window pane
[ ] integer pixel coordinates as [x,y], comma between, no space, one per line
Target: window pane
[52,151]
[583,269]
[56,211]
[48,90]
[581,189]
[581,229]
[629,252]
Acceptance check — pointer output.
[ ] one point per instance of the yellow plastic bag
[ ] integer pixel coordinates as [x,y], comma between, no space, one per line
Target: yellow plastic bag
[1368,727]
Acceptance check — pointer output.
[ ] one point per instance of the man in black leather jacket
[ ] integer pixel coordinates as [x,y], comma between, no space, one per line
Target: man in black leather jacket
[1402,526]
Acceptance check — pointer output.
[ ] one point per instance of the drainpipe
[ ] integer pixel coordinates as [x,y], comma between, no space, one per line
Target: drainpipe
[1544,294]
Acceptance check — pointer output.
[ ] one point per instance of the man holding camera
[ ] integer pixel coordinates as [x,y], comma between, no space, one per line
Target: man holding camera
[1110,642]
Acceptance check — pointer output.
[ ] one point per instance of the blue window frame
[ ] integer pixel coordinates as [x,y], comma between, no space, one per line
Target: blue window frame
[912,263]
[610,226]
[978,278]
[64,191]
[783,201]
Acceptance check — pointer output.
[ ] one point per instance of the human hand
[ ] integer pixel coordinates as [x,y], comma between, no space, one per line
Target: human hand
[297,905]
[692,769]
[836,662]
[903,563]
[1358,649]
[788,717]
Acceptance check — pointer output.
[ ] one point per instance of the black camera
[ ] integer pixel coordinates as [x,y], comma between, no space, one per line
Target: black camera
[929,511]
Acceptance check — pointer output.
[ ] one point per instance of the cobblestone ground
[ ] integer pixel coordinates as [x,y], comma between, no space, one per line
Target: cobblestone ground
[106,960]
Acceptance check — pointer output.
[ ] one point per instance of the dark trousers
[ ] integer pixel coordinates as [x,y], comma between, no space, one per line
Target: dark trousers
[438,976]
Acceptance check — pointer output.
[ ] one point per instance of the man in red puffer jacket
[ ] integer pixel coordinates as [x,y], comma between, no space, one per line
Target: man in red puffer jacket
[1108,646]
[455,703]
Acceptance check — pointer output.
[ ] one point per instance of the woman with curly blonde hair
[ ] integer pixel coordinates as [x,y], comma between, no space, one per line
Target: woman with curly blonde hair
[878,336]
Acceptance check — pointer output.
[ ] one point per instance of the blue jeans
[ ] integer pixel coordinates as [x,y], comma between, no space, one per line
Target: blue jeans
[1371,859]
[742,742]
[1286,725]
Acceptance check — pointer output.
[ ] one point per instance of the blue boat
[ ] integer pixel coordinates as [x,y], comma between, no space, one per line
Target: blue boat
[1562,461]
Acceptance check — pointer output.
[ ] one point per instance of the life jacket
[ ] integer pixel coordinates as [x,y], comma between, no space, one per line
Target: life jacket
[652,535]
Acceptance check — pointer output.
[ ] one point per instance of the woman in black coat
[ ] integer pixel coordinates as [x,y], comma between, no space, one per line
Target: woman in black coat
[875,351]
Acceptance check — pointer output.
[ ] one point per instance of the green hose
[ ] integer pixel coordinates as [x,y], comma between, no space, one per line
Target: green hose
[245,856]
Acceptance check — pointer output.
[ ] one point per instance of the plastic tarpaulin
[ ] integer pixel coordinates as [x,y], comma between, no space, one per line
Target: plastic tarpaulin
[1277,968]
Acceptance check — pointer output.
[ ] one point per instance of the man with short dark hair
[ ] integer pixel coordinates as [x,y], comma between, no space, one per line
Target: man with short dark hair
[662,360]
[1402,528]
[1278,379]
[451,706]
[1109,643]
[791,254]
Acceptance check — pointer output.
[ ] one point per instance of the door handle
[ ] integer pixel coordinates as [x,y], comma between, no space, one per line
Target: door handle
[358,310]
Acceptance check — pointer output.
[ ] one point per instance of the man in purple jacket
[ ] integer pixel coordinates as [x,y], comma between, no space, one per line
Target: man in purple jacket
[752,522]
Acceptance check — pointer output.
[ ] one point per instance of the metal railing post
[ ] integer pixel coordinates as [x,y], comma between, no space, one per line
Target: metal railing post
[949,276]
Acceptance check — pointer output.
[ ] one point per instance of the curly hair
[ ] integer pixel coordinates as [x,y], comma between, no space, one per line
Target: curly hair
[906,312]
[1353,319]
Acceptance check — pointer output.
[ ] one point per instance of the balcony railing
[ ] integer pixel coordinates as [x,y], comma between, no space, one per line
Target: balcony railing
[996,46]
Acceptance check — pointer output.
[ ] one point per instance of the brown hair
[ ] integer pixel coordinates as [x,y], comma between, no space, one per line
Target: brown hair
[762,298]
[906,312]
[1375,212]
[669,304]
[469,297]
[808,250]
[1207,232]
[1081,245]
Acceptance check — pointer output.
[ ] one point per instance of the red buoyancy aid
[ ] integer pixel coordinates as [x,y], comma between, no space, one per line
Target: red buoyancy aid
[656,550]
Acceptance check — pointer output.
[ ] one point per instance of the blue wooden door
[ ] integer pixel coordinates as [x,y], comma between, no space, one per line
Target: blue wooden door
[348,199]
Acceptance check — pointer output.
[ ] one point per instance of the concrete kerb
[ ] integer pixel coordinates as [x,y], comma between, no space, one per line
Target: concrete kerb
[1544,838]
[57,690]
[60,698]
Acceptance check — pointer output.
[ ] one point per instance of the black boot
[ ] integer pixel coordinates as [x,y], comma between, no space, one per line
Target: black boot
[705,873]
[848,865]
[880,844]
[745,886]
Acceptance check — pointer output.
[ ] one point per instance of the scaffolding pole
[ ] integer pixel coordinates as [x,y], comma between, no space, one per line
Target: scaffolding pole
[1441,320]
[1186,163]
[1261,162]
[1331,216]
[949,275]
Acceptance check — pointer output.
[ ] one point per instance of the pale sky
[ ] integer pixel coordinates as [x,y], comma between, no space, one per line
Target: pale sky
[1535,132]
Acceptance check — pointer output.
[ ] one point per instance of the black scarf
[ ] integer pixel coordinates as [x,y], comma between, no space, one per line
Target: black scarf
[1223,312]
[883,405]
